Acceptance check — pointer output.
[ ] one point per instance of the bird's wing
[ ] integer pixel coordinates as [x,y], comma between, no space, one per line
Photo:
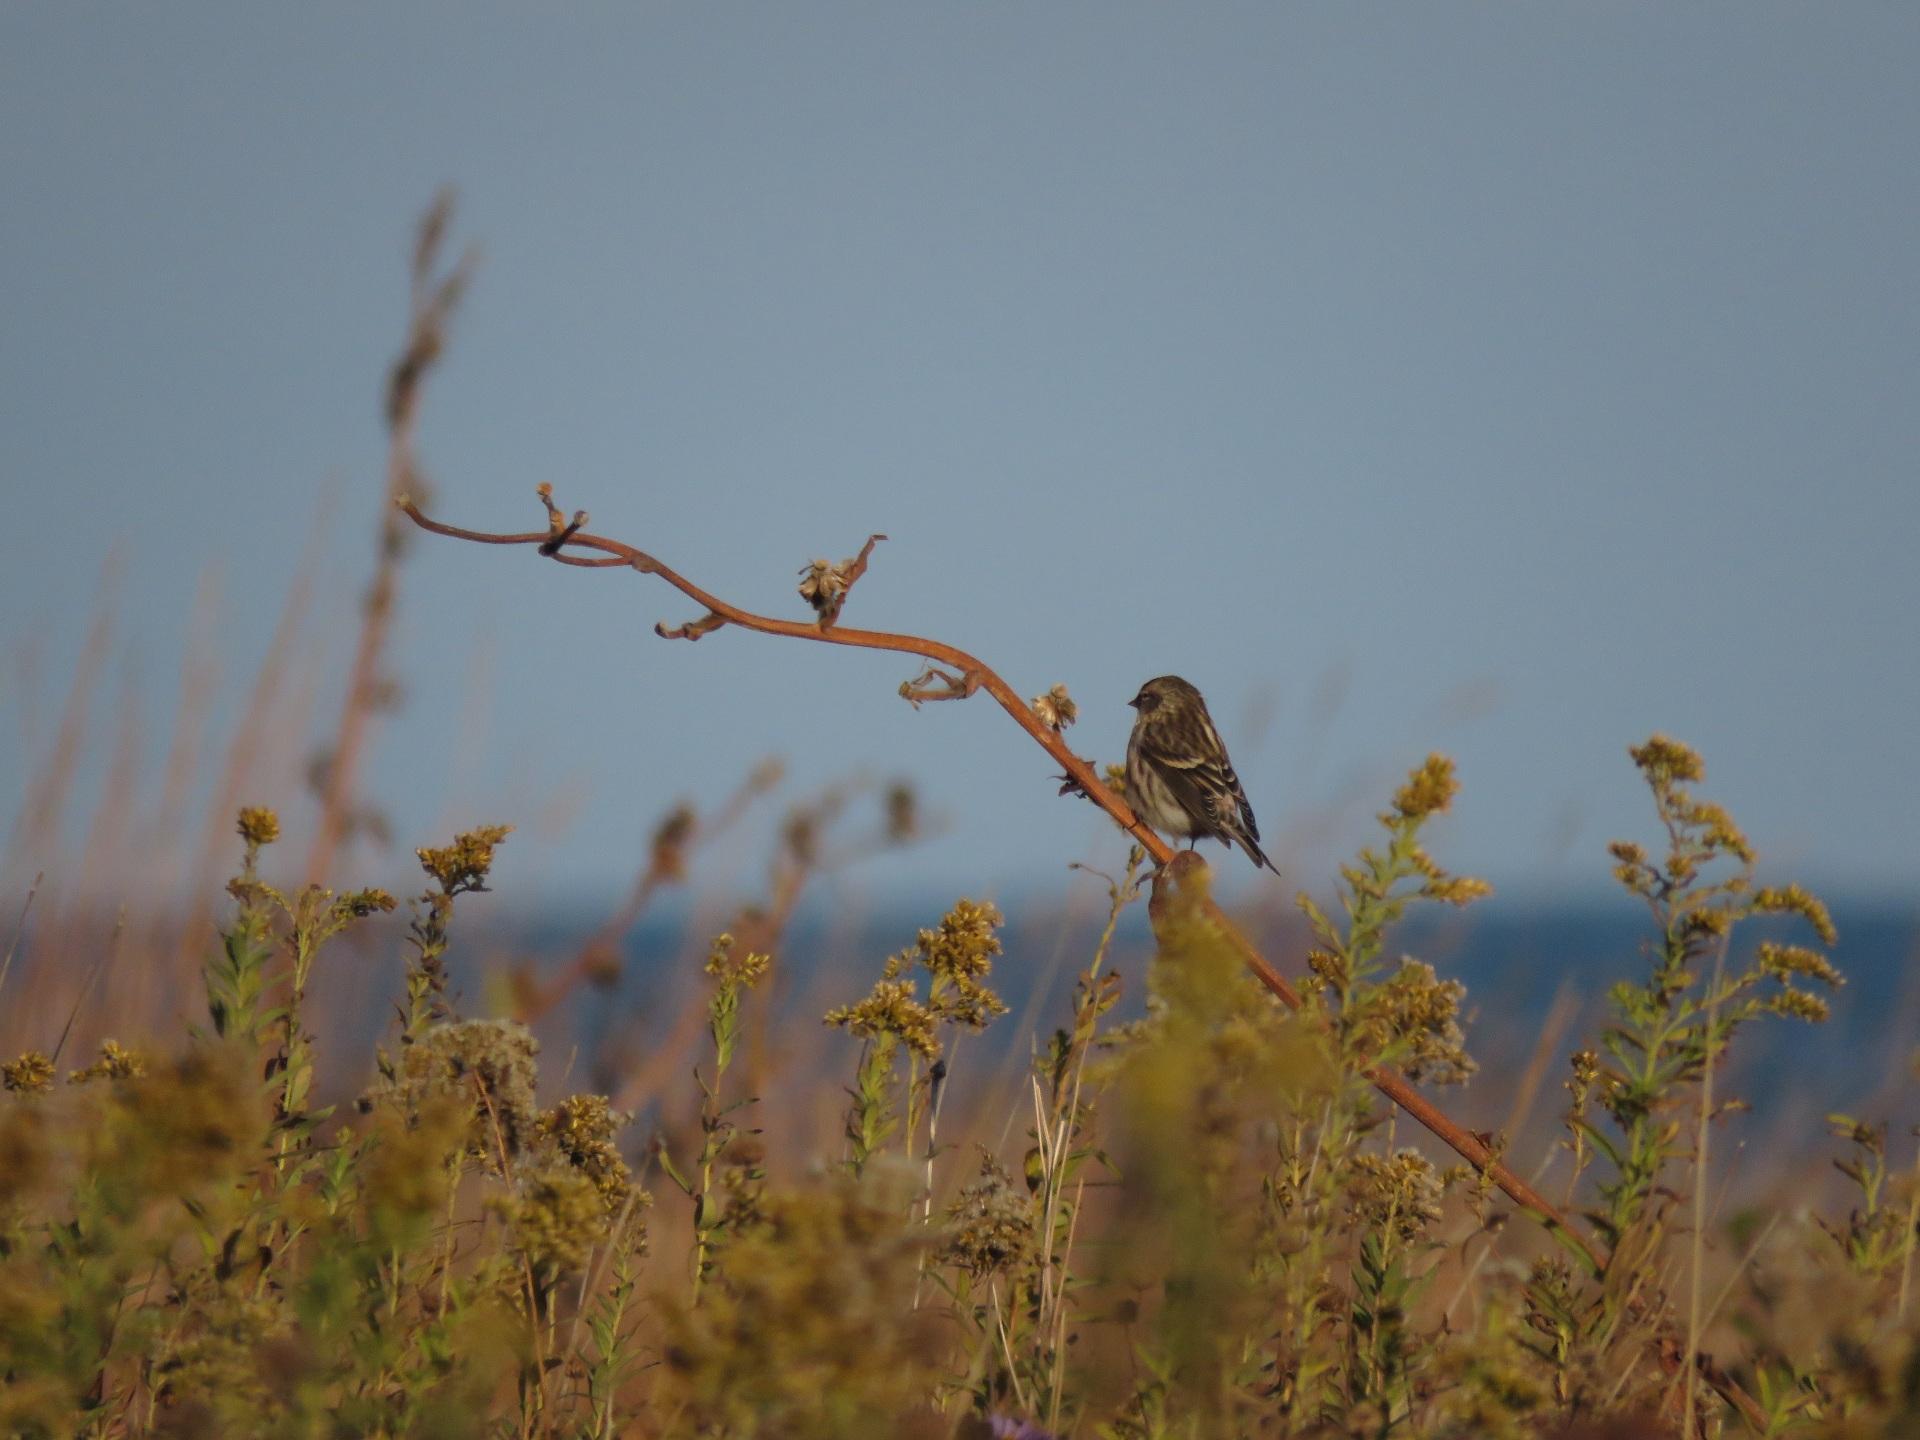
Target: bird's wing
[1178,773]
[1205,784]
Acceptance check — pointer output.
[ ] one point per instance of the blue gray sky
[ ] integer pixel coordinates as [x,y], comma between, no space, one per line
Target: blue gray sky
[1512,381]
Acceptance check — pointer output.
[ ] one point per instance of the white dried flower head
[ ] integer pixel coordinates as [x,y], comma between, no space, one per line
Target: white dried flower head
[822,585]
[1055,709]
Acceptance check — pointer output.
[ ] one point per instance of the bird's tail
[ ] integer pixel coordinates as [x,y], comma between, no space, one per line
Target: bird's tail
[1256,854]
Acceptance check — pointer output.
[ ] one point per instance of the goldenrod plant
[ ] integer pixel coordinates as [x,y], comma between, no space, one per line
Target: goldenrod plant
[1202,1221]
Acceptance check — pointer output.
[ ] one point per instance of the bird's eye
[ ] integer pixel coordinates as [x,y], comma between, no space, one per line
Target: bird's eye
[1147,702]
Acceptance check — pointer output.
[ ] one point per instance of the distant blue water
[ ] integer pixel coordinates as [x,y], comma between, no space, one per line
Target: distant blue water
[1515,962]
[1514,959]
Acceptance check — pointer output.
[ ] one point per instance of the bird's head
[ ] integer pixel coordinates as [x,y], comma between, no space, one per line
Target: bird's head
[1160,691]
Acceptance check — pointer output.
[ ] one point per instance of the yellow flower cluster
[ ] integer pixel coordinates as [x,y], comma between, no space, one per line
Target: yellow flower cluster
[891,1008]
[581,1128]
[1792,900]
[964,945]
[1401,1190]
[1441,885]
[1799,1005]
[358,904]
[557,1216]
[1631,868]
[957,957]
[31,1074]
[1428,791]
[259,825]
[1717,830]
[731,969]
[464,864]
[1666,761]
[1786,960]
[115,1063]
[1420,1014]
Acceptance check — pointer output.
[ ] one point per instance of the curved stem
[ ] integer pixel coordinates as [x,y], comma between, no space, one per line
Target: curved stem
[973,674]
[977,675]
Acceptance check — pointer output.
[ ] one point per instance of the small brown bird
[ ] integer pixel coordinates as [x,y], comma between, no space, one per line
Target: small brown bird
[1179,779]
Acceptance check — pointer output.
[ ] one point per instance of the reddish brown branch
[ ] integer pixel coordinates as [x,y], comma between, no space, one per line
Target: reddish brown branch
[972,674]
[962,676]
